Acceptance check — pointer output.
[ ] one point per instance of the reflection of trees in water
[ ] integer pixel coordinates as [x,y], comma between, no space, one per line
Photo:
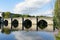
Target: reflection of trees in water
[6,31]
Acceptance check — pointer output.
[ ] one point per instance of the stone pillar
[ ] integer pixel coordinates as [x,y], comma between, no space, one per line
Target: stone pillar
[36,23]
[22,23]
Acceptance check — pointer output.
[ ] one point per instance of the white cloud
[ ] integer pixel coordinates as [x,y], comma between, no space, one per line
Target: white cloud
[48,12]
[27,35]
[31,7]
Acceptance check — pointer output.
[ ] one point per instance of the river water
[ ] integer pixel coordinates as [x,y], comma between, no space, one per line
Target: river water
[27,35]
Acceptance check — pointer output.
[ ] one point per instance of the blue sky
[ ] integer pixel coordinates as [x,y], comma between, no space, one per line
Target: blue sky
[32,7]
[8,5]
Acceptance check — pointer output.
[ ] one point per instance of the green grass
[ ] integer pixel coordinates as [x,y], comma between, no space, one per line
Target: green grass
[58,36]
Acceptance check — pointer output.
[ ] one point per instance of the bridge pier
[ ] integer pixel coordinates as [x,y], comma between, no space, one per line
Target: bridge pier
[22,23]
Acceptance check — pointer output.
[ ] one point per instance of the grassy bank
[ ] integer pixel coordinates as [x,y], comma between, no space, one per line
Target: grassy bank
[58,36]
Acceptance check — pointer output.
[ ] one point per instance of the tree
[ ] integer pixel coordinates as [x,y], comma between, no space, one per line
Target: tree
[16,15]
[3,14]
[57,14]
[6,14]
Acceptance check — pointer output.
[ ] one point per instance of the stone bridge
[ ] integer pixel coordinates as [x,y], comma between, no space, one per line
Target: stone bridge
[33,19]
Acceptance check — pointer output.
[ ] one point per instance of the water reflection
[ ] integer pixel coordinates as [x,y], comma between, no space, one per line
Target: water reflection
[6,31]
[7,37]
[24,35]
[34,36]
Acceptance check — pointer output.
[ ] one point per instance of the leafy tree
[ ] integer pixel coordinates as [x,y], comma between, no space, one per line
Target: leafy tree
[57,14]
[3,14]
[25,15]
[16,15]
[6,14]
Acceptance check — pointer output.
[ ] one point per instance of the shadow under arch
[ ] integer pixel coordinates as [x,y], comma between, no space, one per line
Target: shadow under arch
[42,24]
[15,23]
[6,22]
[27,23]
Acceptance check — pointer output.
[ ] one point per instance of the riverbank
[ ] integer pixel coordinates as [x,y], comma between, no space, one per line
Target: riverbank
[57,34]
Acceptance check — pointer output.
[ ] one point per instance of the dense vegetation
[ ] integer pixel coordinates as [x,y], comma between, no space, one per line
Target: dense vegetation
[57,18]
[9,14]
[57,14]
[58,36]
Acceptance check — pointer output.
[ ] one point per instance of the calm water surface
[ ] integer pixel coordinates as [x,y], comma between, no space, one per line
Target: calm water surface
[24,35]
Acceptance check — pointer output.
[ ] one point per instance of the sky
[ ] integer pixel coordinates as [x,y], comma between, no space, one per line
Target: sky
[31,7]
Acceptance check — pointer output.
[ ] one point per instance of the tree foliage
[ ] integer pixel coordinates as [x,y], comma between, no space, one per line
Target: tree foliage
[9,14]
[14,15]
[6,14]
[57,14]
